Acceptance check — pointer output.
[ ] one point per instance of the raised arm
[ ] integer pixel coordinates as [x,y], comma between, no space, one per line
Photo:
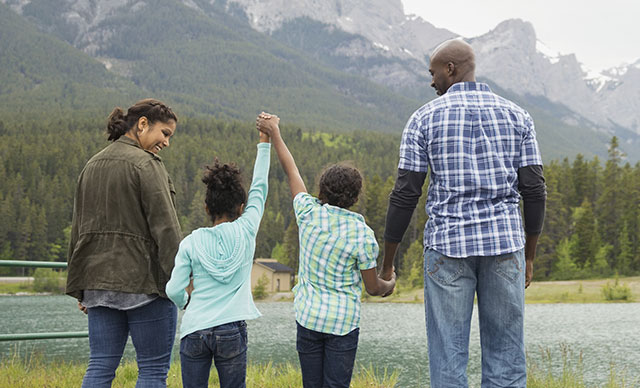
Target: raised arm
[268,124]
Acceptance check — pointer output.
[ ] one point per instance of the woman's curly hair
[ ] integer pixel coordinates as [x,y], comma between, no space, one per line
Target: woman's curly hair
[225,191]
[340,185]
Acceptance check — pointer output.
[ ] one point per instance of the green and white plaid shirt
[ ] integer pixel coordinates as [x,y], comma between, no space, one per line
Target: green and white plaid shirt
[335,245]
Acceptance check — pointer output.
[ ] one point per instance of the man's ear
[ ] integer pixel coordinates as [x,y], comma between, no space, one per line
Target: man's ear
[451,68]
[241,209]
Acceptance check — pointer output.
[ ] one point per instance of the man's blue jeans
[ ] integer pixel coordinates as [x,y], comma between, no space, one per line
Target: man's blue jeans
[226,345]
[450,287]
[326,360]
[152,328]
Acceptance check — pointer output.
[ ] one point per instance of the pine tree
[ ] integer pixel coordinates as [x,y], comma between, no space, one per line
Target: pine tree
[584,241]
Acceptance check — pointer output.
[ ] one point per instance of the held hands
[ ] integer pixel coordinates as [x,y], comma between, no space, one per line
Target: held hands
[268,124]
[189,288]
[389,276]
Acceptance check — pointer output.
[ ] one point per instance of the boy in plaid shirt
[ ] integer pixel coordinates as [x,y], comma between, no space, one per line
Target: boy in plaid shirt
[337,250]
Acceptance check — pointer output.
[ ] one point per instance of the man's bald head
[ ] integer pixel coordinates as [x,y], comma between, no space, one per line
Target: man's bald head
[451,62]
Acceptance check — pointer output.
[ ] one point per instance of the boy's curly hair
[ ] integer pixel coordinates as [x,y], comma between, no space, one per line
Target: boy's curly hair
[340,185]
[225,192]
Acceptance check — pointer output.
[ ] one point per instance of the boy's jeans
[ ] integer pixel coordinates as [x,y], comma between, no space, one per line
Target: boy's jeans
[326,360]
[450,286]
[226,345]
[152,328]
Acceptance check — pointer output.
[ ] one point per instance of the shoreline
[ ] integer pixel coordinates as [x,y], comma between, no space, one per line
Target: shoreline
[588,291]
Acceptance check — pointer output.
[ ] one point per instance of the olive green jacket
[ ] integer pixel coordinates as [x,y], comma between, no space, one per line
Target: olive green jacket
[125,231]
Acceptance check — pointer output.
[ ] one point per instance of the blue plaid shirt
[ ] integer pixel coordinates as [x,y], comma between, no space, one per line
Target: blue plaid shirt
[474,142]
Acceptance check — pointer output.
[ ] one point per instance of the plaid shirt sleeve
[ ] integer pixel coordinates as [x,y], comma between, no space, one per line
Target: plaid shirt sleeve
[413,147]
[303,204]
[369,253]
[529,150]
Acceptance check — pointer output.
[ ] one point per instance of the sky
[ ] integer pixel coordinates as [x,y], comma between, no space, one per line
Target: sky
[602,34]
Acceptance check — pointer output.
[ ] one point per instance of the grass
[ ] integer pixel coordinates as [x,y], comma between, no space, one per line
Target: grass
[566,291]
[15,288]
[571,375]
[33,372]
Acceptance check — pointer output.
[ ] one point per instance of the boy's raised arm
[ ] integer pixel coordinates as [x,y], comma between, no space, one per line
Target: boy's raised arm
[268,124]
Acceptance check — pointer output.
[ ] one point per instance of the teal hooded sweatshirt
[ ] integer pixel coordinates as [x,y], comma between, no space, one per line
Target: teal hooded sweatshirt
[220,259]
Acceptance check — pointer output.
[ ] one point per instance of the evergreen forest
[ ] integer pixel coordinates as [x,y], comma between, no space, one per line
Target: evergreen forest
[591,226]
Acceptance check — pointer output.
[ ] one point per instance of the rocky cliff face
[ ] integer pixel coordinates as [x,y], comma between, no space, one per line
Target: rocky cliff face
[510,55]
[378,41]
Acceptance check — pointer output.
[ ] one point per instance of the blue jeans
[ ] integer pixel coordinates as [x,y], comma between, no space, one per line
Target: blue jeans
[152,328]
[450,285]
[226,345]
[326,360]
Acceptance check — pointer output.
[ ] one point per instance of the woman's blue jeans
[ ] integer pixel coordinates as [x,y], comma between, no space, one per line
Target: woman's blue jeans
[326,360]
[226,345]
[152,328]
[450,287]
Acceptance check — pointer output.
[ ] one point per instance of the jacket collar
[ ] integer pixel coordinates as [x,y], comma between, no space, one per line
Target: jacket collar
[129,141]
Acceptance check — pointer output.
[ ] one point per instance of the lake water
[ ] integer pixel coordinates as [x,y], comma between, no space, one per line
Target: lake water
[391,335]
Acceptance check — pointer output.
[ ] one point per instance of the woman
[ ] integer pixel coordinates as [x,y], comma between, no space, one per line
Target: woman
[124,238]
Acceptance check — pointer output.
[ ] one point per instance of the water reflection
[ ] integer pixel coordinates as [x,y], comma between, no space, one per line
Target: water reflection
[392,335]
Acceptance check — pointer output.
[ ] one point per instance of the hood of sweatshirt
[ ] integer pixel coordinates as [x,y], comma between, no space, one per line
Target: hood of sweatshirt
[218,250]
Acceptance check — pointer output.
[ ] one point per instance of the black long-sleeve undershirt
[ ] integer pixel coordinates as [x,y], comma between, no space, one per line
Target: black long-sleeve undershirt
[408,188]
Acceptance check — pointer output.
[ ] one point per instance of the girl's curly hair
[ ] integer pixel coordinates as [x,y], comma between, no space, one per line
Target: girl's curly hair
[340,185]
[225,191]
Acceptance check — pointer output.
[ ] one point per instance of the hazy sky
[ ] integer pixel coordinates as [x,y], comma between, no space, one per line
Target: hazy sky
[602,34]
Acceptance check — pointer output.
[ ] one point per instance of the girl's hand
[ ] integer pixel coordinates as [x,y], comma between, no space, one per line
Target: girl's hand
[268,123]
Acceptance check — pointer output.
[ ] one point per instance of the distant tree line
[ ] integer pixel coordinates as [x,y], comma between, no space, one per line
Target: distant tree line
[591,227]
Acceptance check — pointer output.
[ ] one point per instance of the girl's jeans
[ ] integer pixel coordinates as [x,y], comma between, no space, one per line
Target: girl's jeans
[226,345]
[152,328]
[450,287]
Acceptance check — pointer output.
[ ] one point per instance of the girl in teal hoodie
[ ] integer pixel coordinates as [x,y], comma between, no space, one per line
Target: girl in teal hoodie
[219,260]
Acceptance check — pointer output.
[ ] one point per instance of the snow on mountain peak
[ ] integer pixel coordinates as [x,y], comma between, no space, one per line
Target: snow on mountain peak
[552,55]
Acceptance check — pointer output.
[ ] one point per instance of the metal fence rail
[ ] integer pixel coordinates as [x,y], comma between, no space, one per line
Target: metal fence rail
[38,336]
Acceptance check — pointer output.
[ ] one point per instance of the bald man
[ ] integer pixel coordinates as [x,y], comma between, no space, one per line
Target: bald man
[483,158]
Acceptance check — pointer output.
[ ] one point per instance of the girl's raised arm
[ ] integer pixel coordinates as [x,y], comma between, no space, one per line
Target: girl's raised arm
[268,124]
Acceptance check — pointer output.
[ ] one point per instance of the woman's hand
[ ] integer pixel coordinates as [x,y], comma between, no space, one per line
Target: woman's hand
[82,308]
[189,288]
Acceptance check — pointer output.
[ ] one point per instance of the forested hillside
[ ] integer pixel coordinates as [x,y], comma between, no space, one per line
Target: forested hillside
[592,226]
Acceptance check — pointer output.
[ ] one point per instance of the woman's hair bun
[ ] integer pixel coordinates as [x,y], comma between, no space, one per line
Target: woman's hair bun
[117,124]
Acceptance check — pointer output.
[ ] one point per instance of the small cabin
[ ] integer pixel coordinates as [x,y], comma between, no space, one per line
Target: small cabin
[279,275]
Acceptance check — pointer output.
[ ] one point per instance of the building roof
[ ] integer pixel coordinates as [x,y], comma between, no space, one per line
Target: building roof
[274,265]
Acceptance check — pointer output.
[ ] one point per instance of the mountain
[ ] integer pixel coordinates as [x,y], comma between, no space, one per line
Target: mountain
[376,39]
[329,65]
[202,61]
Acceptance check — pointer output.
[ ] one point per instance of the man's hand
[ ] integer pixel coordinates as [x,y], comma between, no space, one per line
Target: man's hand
[528,273]
[529,255]
[392,279]
[82,308]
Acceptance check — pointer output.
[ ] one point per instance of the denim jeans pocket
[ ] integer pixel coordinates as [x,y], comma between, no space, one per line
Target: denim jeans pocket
[508,267]
[344,343]
[192,345]
[441,268]
[231,343]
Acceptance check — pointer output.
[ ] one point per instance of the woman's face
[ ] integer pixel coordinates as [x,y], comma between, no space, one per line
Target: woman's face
[154,137]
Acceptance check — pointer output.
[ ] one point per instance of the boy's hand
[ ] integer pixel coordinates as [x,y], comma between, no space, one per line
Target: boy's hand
[268,123]
[391,283]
